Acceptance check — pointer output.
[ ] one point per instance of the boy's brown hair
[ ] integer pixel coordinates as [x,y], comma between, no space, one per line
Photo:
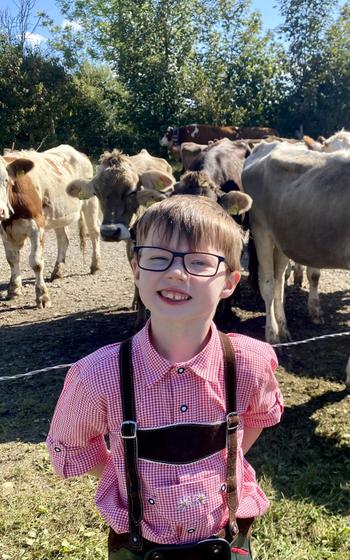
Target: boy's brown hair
[199,220]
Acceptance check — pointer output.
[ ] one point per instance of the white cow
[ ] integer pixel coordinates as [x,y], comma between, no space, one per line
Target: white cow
[301,210]
[45,175]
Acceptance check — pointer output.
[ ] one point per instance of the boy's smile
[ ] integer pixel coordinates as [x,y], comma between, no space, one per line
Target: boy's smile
[174,296]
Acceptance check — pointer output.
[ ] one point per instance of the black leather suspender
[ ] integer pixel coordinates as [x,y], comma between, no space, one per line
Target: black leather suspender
[179,444]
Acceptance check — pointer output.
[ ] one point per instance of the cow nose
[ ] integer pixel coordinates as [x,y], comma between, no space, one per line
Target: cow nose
[111,234]
[2,213]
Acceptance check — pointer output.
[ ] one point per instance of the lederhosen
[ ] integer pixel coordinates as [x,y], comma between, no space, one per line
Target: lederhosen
[181,444]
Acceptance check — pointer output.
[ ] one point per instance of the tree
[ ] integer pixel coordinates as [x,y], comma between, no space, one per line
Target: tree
[305,27]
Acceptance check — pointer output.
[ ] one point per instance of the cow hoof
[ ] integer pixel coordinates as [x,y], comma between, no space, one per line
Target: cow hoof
[58,272]
[13,293]
[316,317]
[94,268]
[44,303]
[285,336]
[43,300]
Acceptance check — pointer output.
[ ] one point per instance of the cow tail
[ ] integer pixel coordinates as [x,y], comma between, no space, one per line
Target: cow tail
[83,233]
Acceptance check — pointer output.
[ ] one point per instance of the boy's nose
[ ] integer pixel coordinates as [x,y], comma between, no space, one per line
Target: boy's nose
[177,268]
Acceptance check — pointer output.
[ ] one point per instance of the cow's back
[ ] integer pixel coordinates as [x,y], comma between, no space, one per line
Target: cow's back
[302,199]
[53,170]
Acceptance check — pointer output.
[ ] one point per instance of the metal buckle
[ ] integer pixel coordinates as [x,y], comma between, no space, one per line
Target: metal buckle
[230,426]
[128,429]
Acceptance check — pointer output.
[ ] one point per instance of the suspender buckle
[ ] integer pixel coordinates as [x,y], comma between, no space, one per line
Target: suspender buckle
[232,421]
[128,429]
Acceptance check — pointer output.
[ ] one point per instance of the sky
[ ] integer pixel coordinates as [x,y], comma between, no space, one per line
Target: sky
[269,13]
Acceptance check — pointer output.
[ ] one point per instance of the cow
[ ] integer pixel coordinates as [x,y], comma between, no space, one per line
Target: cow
[339,141]
[124,185]
[188,153]
[37,194]
[5,208]
[216,174]
[203,134]
[217,170]
[300,211]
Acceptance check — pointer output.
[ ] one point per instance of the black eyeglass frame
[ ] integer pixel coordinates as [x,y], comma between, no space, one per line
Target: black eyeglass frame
[181,254]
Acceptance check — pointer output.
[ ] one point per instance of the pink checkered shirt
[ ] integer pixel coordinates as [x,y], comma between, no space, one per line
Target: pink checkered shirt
[182,503]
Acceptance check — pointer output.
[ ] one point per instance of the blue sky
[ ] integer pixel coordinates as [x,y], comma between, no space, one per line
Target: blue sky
[270,14]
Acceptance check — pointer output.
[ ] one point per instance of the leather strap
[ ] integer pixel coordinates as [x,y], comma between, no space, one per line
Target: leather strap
[232,420]
[136,441]
[133,483]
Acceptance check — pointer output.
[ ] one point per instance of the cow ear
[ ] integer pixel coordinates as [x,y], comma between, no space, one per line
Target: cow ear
[19,167]
[156,180]
[236,202]
[147,197]
[81,189]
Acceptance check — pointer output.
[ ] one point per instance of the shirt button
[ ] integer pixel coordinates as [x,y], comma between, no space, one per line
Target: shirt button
[57,449]
[151,501]
[183,407]
[181,370]
[191,530]
[223,488]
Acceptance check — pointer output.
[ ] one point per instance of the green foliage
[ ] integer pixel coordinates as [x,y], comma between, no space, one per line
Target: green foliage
[123,70]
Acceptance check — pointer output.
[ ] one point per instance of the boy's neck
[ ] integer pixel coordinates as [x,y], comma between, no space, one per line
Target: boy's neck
[179,343]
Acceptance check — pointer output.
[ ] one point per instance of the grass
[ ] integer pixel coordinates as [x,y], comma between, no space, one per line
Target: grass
[303,466]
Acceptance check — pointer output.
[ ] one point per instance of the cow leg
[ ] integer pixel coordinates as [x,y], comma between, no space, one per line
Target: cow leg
[280,265]
[298,274]
[264,249]
[12,257]
[91,209]
[313,303]
[347,382]
[36,262]
[62,246]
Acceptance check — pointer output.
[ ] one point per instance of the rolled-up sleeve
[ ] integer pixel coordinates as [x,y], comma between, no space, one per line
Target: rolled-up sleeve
[265,406]
[76,436]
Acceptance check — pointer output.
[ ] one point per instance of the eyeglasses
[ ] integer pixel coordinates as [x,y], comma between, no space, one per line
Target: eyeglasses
[157,259]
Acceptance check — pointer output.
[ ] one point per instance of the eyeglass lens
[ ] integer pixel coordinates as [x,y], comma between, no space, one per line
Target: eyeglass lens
[157,259]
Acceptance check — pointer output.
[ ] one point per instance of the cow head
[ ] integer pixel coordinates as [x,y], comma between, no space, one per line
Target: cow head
[9,170]
[121,191]
[199,183]
[167,138]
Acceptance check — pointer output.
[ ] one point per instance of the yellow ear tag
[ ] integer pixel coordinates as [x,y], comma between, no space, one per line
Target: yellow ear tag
[159,184]
[234,210]
[20,173]
[82,196]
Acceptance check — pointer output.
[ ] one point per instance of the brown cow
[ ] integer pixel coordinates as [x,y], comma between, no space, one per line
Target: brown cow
[203,133]
[26,221]
[38,195]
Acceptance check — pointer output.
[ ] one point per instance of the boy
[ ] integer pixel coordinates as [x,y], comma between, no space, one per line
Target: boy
[168,400]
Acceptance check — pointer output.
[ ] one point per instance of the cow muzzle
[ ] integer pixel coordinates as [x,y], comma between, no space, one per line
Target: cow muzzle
[114,232]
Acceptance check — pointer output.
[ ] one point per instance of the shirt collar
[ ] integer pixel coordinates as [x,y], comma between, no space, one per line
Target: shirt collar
[205,364]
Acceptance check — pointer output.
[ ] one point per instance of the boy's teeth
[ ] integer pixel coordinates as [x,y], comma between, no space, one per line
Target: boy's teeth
[176,297]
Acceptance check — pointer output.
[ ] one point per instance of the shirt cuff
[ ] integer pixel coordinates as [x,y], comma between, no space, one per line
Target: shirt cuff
[74,461]
[266,418]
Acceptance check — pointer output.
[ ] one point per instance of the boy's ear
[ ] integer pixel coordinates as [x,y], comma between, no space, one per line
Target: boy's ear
[135,270]
[231,282]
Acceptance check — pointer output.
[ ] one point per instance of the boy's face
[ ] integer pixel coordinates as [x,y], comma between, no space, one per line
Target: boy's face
[176,295]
